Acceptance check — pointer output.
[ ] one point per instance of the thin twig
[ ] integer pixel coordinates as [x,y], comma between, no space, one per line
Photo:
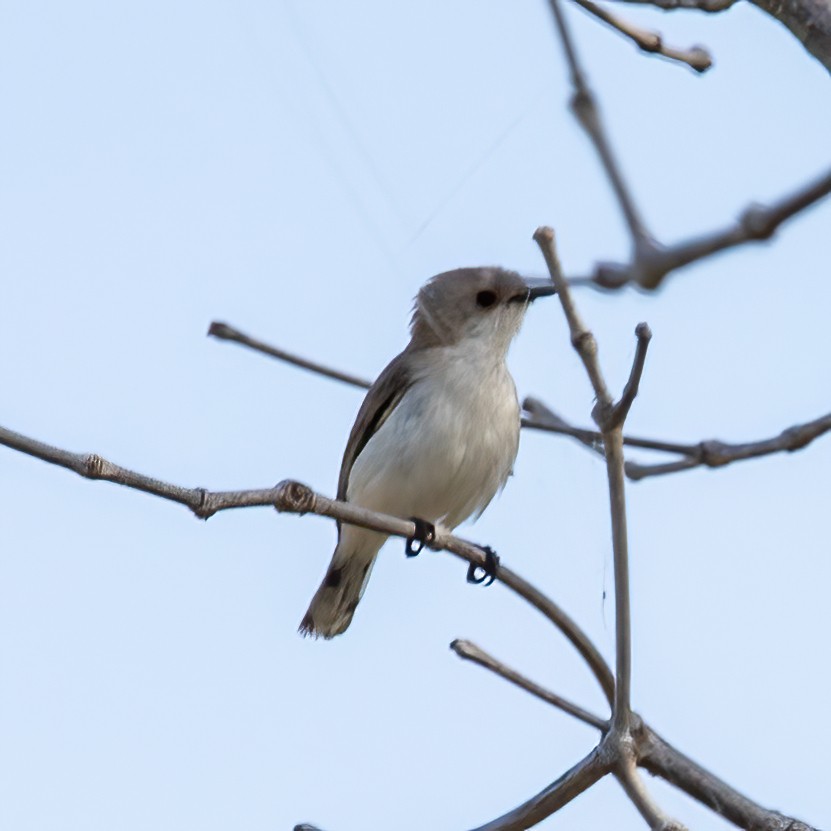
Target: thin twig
[654,261]
[710,453]
[714,453]
[223,331]
[711,6]
[544,418]
[621,409]
[656,819]
[582,339]
[604,414]
[696,57]
[584,106]
[471,652]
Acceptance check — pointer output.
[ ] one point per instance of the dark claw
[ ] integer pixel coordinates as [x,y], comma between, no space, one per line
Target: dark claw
[425,533]
[489,570]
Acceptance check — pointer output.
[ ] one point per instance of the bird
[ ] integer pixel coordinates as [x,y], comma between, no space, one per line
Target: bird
[438,432]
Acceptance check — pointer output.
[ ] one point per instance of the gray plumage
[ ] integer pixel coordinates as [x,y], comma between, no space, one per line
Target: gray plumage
[437,434]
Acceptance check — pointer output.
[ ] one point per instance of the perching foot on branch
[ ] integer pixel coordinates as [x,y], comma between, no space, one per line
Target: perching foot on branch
[425,533]
[489,569]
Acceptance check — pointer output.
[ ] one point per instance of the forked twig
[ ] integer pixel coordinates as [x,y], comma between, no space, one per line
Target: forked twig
[605,414]
[616,743]
[696,57]
[651,260]
[660,758]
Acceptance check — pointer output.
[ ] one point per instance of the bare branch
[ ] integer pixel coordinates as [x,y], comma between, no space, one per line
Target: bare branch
[581,338]
[655,755]
[294,497]
[714,453]
[631,783]
[612,431]
[570,785]
[653,261]
[711,453]
[584,107]
[621,410]
[711,6]
[544,418]
[661,759]
[696,57]
[225,332]
[470,652]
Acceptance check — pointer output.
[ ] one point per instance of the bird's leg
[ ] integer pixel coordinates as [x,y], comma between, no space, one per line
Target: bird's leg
[489,569]
[425,533]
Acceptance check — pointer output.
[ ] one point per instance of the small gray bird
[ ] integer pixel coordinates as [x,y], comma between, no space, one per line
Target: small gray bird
[437,434]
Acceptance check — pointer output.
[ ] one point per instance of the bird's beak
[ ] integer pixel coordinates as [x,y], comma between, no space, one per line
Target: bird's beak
[538,287]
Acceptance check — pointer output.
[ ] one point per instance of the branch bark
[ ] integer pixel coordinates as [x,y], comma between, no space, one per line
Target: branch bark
[651,260]
[696,57]
[470,652]
[609,420]
[809,21]
[294,497]
[709,453]
[657,756]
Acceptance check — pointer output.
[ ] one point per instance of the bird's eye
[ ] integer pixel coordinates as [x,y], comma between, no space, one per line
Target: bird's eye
[485,299]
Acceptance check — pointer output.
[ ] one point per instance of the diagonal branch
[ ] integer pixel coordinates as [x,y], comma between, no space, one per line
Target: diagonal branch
[294,497]
[632,784]
[653,262]
[470,652]
[696,57]
[657,756]
[223,331]
[660,758]
[559,793]
[584,106]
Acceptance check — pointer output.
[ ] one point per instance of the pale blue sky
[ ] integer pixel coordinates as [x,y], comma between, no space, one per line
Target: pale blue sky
[299,169]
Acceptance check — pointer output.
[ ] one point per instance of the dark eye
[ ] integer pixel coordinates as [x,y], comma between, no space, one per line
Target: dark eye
[485,299]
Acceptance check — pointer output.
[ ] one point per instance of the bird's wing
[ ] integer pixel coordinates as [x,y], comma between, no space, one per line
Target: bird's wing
[383,397]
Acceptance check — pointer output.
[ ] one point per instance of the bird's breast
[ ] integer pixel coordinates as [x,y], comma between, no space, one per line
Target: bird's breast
[448,447]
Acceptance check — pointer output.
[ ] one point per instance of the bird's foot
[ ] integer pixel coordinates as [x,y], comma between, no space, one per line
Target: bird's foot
[425,533]
[489,570]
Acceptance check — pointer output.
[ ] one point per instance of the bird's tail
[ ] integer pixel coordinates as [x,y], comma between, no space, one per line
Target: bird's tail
[334,603]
